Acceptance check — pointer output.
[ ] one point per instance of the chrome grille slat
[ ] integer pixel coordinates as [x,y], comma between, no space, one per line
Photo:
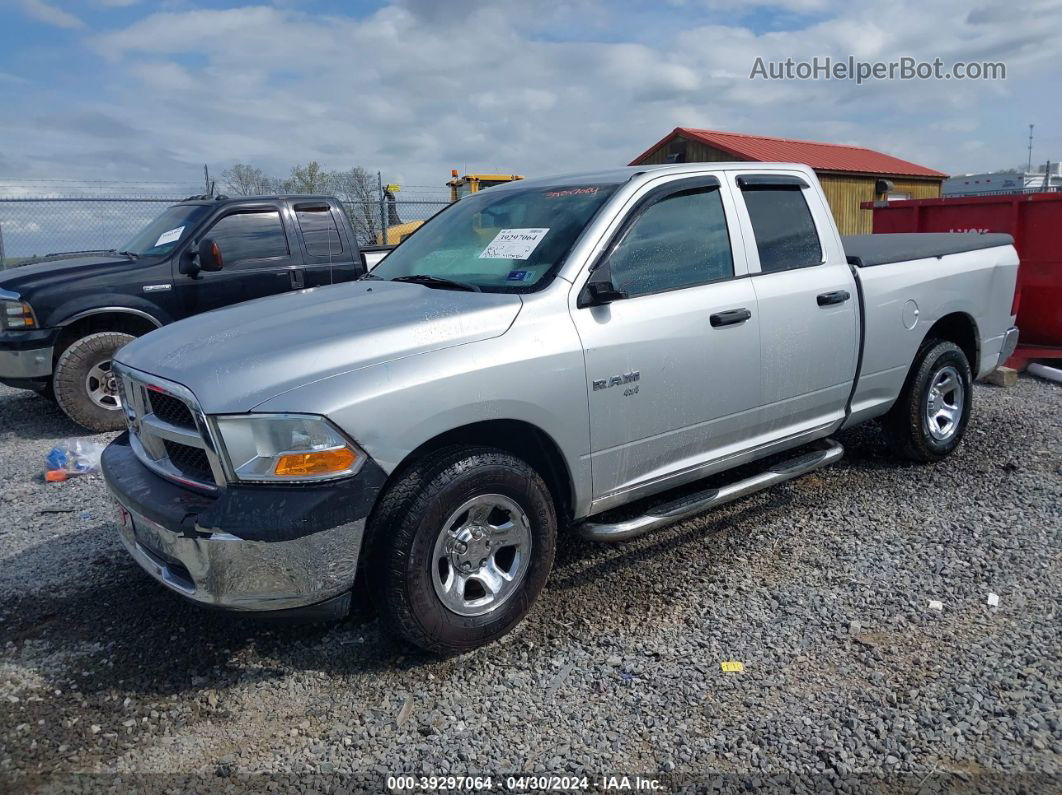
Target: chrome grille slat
[171,450]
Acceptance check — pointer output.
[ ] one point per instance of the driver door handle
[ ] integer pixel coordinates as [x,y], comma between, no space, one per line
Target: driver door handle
[730,317]
[836,297]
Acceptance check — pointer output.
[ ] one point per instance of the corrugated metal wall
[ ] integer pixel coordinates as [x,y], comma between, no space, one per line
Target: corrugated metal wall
[844,192]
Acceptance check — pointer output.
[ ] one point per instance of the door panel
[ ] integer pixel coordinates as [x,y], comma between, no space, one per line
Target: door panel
[672,370]
[668,390]
[257,262]
[329,259]
[808,350]
[809,334]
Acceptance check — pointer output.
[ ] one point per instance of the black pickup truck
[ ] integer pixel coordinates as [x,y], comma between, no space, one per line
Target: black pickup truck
[61,321]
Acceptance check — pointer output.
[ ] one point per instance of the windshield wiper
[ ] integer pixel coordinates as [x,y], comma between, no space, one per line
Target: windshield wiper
[129,254]
[436,281]
[365,276]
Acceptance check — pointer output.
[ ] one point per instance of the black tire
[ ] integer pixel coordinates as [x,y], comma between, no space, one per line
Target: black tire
[408,521]
[70,380]
[907,426]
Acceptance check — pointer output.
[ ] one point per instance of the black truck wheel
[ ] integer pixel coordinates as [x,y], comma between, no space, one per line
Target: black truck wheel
[85,388]
[930,416]
[460,547]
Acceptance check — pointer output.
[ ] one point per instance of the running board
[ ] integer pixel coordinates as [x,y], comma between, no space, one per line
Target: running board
[676,510]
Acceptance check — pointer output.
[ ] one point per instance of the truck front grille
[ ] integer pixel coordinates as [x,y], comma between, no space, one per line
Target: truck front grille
[170,409]
[168,431]
[189,461]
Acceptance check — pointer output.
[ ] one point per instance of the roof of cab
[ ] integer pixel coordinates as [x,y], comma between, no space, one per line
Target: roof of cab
[621,174]
[222,199]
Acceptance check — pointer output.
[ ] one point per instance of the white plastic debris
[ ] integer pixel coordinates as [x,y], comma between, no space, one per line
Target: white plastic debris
[993,600]
[935,605]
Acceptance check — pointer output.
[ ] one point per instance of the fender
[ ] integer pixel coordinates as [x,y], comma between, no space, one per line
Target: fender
[86,306]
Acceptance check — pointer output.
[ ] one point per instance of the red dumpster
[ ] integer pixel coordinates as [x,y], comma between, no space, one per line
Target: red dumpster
[1035,222]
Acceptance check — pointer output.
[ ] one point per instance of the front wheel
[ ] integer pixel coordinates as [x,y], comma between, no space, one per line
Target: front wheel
[930,416]
[461,546]
[85,387]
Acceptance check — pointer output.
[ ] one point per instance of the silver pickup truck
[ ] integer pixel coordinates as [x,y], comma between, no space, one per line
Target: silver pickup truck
[549,355]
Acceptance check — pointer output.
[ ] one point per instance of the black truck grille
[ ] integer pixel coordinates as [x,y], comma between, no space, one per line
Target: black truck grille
[170,409]
[191,462]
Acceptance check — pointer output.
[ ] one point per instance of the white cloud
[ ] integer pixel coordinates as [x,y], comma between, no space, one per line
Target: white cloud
[50,14]
[414,91]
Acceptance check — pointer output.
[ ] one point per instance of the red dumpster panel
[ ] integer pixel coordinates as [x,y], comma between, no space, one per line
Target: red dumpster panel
[1035,222]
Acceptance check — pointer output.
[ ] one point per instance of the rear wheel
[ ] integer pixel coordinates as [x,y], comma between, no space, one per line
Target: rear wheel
[930,416]
[461,546]
[86,388]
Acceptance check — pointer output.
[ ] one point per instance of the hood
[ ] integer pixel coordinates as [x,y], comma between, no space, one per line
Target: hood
[44,274]
[236,358]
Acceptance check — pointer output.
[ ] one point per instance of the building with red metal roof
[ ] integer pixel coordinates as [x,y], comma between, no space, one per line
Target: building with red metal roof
[849,175]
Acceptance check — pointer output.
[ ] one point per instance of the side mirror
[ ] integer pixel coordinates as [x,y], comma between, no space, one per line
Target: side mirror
[210,258]
[600,290]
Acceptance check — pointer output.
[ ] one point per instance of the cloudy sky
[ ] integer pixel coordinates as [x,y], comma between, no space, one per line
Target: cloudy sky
[120,89]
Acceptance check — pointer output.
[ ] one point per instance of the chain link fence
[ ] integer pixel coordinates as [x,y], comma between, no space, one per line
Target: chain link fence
[38,228]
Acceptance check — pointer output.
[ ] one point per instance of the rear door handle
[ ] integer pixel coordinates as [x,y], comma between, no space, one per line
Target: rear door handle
[730,317]
[298,278]
[836,297]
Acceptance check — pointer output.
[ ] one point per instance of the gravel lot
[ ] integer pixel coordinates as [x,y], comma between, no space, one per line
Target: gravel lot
[820,587]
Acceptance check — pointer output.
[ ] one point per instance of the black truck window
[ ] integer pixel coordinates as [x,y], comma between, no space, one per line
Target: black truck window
[785,232]
[319,230]
[250,236]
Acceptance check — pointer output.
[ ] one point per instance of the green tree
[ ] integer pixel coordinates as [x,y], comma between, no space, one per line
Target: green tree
[310,178]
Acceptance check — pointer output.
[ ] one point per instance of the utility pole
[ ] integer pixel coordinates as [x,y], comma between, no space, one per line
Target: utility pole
[3,262]
[383,208]
[1028,167]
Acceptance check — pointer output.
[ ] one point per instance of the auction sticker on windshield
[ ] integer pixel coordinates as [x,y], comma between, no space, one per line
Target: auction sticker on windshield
[169,237]
[513,244]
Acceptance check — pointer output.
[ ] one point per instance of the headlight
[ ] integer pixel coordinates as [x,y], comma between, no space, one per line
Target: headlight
[17,314]
[286,447]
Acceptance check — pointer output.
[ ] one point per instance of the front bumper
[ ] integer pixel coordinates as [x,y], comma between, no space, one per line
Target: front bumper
[1010,344]
[26,356]
[261,549]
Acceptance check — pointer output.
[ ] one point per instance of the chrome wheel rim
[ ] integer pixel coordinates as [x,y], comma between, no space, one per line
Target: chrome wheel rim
[944,403]
[102,386]
[481,555]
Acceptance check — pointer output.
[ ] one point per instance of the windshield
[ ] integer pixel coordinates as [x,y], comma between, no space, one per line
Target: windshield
[162,235]
[499,241]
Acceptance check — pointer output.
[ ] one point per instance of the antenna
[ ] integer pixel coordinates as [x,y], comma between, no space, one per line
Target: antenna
[1028,167]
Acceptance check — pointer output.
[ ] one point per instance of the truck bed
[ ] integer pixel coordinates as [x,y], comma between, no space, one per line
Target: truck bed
[865,251]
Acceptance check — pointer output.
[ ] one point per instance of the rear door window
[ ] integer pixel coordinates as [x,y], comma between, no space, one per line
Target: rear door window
[785,231]
[319,230]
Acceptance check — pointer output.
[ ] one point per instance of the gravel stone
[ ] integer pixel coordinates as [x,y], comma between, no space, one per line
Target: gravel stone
[819,586]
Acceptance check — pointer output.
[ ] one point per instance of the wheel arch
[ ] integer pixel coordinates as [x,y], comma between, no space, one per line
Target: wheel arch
[961,329]
[126,320]
[519,437]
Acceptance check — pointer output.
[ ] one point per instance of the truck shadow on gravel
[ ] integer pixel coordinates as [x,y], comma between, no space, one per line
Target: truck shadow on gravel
[115,628]
[32,417]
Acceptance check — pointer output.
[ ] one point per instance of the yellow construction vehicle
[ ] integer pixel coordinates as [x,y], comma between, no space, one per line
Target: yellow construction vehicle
[459,186]
[473,183]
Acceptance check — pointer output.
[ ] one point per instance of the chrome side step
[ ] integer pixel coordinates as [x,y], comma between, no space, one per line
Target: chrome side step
[676,510]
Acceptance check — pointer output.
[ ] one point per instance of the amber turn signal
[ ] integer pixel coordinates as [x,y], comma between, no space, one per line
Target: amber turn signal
[319,462]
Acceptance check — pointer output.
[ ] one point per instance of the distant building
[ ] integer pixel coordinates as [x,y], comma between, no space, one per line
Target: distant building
[849,174]
[1047,177]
